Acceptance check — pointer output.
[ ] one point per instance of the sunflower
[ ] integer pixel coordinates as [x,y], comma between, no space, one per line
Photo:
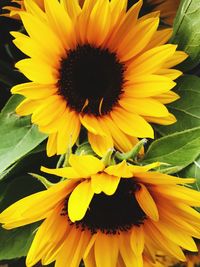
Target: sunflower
[163,260]
[168,9]
[108,215]
[19,5]
[98,67]
[192,260]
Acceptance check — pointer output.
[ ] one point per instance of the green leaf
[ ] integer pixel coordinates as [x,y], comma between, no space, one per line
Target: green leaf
[10,106]
[16,243]
[18,135]
[193,170]
[178,149]
[187,108]
[30,162]
[187,33]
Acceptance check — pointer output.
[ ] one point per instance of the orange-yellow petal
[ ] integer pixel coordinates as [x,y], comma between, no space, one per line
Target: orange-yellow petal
[79,201]
[86,165]
[103,182]
[132,124]
[146,202]
[119,170]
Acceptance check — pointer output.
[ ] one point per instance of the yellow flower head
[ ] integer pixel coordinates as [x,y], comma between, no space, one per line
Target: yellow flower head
[19,5]
[162,260]
[108,215]
[167,8]
[193,259]
[98,67]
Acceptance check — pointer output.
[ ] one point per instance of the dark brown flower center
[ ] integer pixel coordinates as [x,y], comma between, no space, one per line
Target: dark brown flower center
[116,213]
[91,79]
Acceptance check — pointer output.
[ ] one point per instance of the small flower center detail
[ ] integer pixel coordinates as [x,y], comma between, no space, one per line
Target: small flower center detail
[91,79]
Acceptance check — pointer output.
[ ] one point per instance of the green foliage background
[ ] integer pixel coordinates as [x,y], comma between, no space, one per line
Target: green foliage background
[22,146]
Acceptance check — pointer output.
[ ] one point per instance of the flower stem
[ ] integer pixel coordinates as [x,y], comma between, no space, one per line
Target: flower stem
[132,153]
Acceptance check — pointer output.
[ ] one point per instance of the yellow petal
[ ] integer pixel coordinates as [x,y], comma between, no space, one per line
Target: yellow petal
[99,23]
[129,257]
[109,243]
[120,262]
[137,240]
[79,201]
[118,11]
[52,108]
[177,58]
[27,107]
[77,240]
[86,165]
[140,169]
[50,233]
[150,250]
[36,28]
[11,11]
[34,90]
[164,243]
[177,236]
[167,97]
[34,7]
[121,170]
[72,7]
[83,20]
[179,193]
[53,255]
[154,14]
[52,145]
[122,141]
[90,245]
[64,119]
[148,85]
[66,172]
[151,61]
[94,125]
[147,203]
[144,106]
[182,222]
[137,39]
[103,182]
[138,126]
[35,207]
[169,73]
[163,121]
[188,212]
[123,28]
[60,22]
[160,178]
[159,38]
[32,49]
[90,261]
[100,144]
[37,71]
[68,132]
